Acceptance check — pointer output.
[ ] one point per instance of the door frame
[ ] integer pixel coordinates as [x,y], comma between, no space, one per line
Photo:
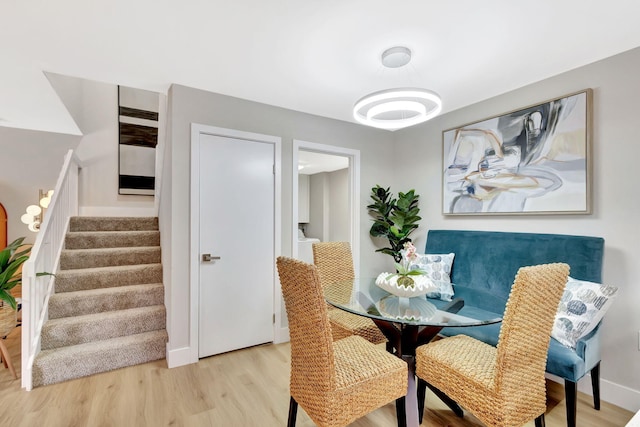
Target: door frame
[354,193]
[194,250]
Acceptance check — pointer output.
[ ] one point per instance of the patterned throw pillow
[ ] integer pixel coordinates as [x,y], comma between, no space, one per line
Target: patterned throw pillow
[438,268]
[581,308]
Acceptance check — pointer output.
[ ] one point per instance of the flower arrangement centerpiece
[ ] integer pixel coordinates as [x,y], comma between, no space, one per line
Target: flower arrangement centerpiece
[408,280]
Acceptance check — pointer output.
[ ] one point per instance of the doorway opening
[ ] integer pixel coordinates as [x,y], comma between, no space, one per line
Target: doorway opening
[326,191]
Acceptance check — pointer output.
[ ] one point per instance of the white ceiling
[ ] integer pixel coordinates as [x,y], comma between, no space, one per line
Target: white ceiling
[315,56]
[313,163]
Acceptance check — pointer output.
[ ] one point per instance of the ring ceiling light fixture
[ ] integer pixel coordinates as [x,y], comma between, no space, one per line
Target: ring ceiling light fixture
[394,109]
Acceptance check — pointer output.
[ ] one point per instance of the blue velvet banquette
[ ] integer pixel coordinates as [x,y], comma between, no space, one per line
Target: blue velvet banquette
[484,268]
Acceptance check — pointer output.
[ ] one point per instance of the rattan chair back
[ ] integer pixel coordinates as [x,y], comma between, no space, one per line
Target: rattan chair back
[503,386]
[334,261]
[312,361]
[335,264]
[334,382]
[526,330]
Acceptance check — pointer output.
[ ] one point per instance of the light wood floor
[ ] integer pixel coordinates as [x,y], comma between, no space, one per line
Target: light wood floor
[243,388]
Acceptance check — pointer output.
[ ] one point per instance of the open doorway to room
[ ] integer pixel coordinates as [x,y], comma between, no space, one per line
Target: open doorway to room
[326,190]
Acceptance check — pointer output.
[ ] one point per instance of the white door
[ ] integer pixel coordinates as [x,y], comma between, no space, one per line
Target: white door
[237,231]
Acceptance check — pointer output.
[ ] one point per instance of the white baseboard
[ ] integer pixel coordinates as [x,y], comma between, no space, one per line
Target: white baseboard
[281,335]
[616,394]
[181,356]
[116,211]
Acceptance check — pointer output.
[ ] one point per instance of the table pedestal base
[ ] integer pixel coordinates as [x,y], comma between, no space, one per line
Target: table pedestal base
[403,340]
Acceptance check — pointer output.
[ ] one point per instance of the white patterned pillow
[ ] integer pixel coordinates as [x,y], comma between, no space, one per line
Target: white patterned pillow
[581,308]
[438,268]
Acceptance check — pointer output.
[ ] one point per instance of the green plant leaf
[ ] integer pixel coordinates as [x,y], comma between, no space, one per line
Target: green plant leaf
[11,269]
[8,298]
[393,218]
[22,253]
[44,273]
[417,272]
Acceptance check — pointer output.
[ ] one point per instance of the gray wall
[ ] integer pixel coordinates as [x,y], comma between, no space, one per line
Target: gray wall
[30,160]
[318,197]
[188,105]
[615,154]
[339,206]
[329,215]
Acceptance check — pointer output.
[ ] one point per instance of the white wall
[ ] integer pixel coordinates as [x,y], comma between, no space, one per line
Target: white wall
[188,105]
[615,202]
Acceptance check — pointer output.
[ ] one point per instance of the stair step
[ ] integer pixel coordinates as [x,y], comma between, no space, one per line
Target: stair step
[79,303]
[106,277]
[70,331]
[54,366]
[88,223]
[71,259]
[111,239]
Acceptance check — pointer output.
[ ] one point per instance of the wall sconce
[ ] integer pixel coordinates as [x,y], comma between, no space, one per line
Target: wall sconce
[33,217]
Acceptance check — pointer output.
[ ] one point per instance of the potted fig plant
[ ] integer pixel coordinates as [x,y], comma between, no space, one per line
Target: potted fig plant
[393,219]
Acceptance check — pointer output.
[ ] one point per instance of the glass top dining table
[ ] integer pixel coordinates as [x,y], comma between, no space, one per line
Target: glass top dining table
[406,323]
[363,297]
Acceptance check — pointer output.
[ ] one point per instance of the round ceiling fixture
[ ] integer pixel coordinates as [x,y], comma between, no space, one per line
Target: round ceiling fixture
[396,57]
[394,109]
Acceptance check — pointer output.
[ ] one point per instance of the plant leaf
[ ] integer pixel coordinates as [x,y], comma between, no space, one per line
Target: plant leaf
[8,298]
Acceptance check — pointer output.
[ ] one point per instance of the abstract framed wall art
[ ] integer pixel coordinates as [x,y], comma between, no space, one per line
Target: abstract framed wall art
[535,160]
[138,138]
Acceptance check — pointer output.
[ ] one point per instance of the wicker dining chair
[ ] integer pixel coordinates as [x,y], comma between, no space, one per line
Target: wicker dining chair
[335,264]
[503,386]
[335,382]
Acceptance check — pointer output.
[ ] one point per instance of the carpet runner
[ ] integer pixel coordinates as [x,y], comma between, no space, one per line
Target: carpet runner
[108,309]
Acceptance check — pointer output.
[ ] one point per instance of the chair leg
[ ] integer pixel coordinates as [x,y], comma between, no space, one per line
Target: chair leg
[401,412]
[595,386]
[447,401]
[6,359]
[422,395]
[539,422]
[293,411]
[570,391]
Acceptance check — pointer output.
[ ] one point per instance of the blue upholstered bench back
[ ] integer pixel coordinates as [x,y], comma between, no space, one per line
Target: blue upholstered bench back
[486,263]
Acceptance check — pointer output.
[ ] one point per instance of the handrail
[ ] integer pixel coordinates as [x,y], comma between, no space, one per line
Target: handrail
[45,256]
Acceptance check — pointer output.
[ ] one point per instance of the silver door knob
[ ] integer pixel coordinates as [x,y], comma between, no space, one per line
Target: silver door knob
[208,257]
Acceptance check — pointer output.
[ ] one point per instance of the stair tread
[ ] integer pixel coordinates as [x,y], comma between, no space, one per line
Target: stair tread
[122,249]
[107,269]
[111,232]
[101,317]
[107,277]
[101,344]
[102,300]
[71,259]
[83,223]
[81,360]
[105,291]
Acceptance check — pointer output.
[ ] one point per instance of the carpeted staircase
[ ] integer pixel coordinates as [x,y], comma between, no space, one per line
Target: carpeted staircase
[108,310]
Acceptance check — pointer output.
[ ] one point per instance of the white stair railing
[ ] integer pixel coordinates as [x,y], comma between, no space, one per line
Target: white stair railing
[45,257]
